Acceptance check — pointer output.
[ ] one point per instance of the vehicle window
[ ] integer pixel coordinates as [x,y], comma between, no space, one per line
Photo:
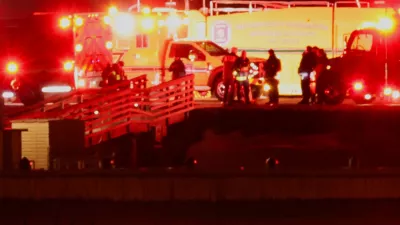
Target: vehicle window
[362,42]
[212,48]
[142,41]
[183,51]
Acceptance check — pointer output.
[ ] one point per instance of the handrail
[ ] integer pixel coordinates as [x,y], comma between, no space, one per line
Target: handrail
[117,113]
[60,102]
[103,117]
[266,5]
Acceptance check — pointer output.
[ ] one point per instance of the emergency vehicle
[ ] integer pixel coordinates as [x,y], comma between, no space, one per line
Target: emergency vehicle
[149,41]
[93,48]
[37,56]
[59,50]
[287,27]
[370,65]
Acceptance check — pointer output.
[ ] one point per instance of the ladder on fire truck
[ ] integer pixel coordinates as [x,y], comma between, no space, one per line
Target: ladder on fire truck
[230,6]
[122,110]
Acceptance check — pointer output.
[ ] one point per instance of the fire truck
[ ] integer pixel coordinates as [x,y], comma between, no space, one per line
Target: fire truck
[37,56]
[369,67]
[156,36]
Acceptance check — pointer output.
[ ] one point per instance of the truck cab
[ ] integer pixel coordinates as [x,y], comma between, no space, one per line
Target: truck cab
[368,69]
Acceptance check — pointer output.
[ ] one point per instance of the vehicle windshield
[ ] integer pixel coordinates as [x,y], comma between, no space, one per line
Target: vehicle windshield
[212,48]
[361,42]
[36,41]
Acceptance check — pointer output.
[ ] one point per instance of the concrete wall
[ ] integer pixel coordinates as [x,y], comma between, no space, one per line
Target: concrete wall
[200,187]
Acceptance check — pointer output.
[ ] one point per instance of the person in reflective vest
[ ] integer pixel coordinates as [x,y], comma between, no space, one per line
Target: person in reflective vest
[228,78]
[115,75]
[241,73]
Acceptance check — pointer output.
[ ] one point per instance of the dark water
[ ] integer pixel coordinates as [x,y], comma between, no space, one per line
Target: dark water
[287,212]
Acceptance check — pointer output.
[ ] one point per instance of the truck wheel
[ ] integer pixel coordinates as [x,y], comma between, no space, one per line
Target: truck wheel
[29,95]
[333,96]
[362,101]
[331,88]
[219,88]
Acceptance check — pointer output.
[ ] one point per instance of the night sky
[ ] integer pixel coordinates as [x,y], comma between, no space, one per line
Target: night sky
[10,7]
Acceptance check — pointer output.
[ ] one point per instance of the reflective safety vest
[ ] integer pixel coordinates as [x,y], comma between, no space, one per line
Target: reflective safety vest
[115,75]
[241,76]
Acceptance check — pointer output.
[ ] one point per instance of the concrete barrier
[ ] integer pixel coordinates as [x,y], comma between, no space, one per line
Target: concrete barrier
[201,187]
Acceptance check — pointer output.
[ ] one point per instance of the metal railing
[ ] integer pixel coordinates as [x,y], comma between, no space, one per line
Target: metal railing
[254,6]
[131,109]
[60,102]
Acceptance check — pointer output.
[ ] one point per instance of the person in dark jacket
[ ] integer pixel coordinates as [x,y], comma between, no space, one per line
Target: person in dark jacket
[242,67]
[272,66]
[228,78]
[307,66]
[322,63]
[105,75]
[121,65]
[177,68]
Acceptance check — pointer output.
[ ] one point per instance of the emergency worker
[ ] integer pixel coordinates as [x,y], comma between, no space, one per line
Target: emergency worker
[322,62]
[228,78]
[272,66]
[177,68]
[105,75]
[121,65]
[307,66]
[242,66]
[115,75]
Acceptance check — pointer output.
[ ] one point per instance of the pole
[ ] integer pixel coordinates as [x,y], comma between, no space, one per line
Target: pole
[386,61]
[138,5]
[386,56]
[333,29]
[187,5]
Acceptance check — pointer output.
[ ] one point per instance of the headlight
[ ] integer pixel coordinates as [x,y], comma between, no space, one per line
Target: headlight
[12,67]
[266,87]
[253,66]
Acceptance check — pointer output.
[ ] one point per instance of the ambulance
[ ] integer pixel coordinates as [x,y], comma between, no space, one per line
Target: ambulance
[154,37]
[93,36]
[287,27]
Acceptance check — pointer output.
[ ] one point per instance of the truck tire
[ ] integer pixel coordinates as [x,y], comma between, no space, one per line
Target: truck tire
[332,89]
[219,87]
[29,95]
[362,101]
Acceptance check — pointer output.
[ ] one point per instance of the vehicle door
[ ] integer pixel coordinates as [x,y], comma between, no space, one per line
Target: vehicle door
[393,53]
[194,60]
[361,61]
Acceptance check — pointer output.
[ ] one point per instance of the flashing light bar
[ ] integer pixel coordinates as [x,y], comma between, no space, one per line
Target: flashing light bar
[57,89]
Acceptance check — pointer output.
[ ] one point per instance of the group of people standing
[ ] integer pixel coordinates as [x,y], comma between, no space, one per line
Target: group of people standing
[236,71]
[313,62]
[236,76]
[112,74]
